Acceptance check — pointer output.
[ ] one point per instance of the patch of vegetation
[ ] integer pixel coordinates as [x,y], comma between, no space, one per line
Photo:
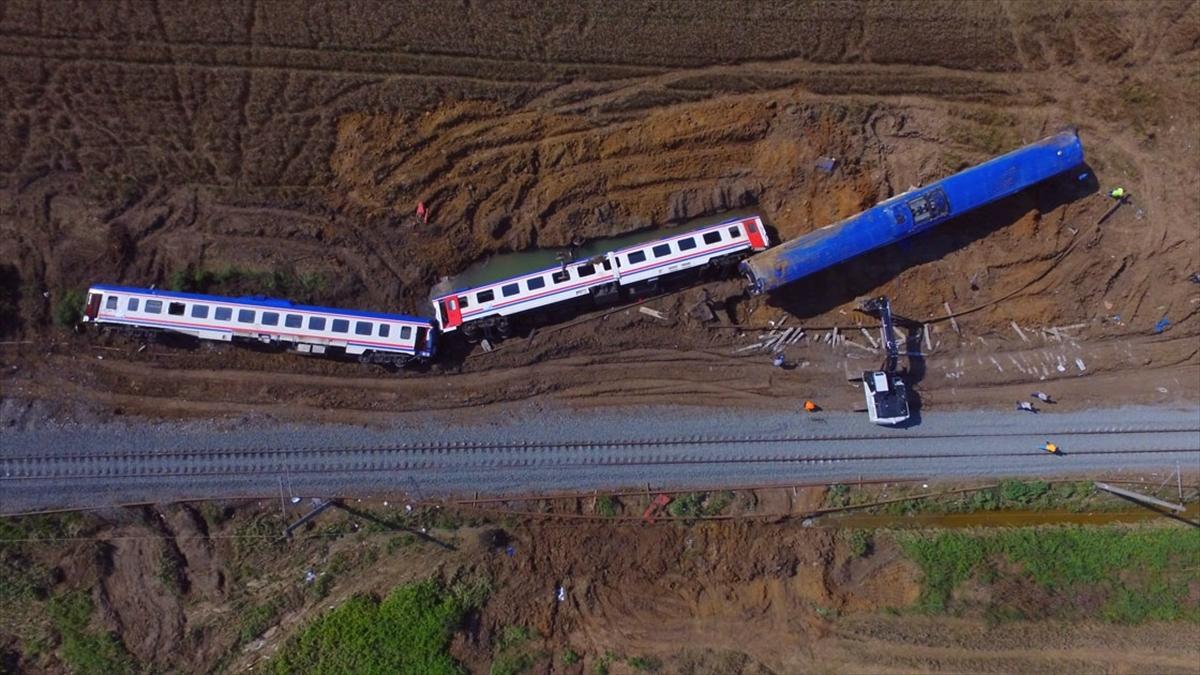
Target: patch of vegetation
[171,569]
[399,542]
[570,656]
[236,280]
[69,308]
[22,577]
[1140,574]
[861,542]
[699,504]
[837,496]
[255,620]
[1011,495]
[606,506]
[512,655]
[647,664]
[86,652]
[406,632]
[602,664]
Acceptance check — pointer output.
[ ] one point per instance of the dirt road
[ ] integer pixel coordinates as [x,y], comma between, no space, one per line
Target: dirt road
[286,146]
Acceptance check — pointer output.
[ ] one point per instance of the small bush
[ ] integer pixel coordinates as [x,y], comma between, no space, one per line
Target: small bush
[838,495]
[256,620]
[86,652]
[645,663]
[69,309]
[687,506]
[861,542]
[606,506]
[570,656]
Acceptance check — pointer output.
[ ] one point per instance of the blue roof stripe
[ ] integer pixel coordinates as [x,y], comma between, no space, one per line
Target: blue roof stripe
[271,303]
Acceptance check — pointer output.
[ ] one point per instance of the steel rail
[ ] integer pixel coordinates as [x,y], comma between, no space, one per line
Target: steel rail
[484,446]
[202,465]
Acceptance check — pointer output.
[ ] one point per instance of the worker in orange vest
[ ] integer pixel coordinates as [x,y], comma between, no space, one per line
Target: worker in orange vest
[810,406]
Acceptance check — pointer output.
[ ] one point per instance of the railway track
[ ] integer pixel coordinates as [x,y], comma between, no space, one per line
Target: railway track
[457,457]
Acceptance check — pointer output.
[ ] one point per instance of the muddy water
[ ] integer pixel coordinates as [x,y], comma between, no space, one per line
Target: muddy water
[1000,519]
[506,265]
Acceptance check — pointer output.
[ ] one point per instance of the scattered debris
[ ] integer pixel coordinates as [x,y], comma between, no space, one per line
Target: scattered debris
[652,312]
[487,346]
[1042,396]
[928,345]
[874,342]
[1079,365]
[827,164]
[1162,325]
[561,594]
[953,321]
[1026,406]
[1019,332]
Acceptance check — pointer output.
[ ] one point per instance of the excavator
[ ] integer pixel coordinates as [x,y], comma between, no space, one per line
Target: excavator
[887,395]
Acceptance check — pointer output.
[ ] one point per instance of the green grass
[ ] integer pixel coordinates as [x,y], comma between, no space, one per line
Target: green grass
[606,506]
[570,656]
[861,542]
[255,621]
[85,651]
[1142,574]
[230,279]
[647,664]
[406,632]
[1009,495]
[699,504]
[69,308]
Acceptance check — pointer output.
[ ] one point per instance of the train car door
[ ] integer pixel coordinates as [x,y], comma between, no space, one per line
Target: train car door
[757,239]
[453,312]
[93,306]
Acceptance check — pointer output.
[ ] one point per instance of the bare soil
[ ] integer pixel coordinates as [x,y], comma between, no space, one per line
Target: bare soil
[139,142]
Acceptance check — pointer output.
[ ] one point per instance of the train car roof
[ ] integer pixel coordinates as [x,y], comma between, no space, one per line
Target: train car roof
[440,291]
[260,301]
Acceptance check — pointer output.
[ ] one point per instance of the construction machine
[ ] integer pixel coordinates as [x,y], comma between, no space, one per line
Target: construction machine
[887,395]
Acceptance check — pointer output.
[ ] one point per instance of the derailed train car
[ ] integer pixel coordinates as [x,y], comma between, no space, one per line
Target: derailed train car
[913,212]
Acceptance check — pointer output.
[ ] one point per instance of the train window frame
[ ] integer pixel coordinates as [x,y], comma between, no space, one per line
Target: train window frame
[484,297]
[340,326]
[462,302]
[153,307]
[534,283]
[199,311]
[641,257]
[363,328]
[607,264]
[661,251]
[560,277]
[405,332]
[293,320]
[223,314]
[711,238]
[132,305]
[176,308]
[270,318]
[246,316]
[686,244]
[316,323]
[509,290]
[735,232]
[384,330]
[585,270]
[111,302]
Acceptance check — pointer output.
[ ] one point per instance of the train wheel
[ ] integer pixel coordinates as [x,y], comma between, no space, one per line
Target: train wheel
[470,332]
[504,328]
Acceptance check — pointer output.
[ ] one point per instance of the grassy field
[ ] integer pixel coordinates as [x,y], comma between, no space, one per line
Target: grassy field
[1124,575]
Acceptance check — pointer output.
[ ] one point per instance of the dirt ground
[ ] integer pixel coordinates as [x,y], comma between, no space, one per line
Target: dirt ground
[741,596]
[139,142]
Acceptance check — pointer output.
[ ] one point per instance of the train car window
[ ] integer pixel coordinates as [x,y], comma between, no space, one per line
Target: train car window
[485,296]
[316,323]
[199,311]
[384,330]
[712,237]
[406,332]
[560,277]
[222,313]
[270,318]
[661,250]
[341,326]
[735,232]
[292,320]
[111,302]
[245,316]
[585,270]
[462,302]
[362,327]
[536,283]
[154,306]
[175,308]
[510,289]
[686,244]
[636,257]
[132,305]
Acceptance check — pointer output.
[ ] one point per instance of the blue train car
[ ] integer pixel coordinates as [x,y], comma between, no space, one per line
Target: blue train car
[913,212]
